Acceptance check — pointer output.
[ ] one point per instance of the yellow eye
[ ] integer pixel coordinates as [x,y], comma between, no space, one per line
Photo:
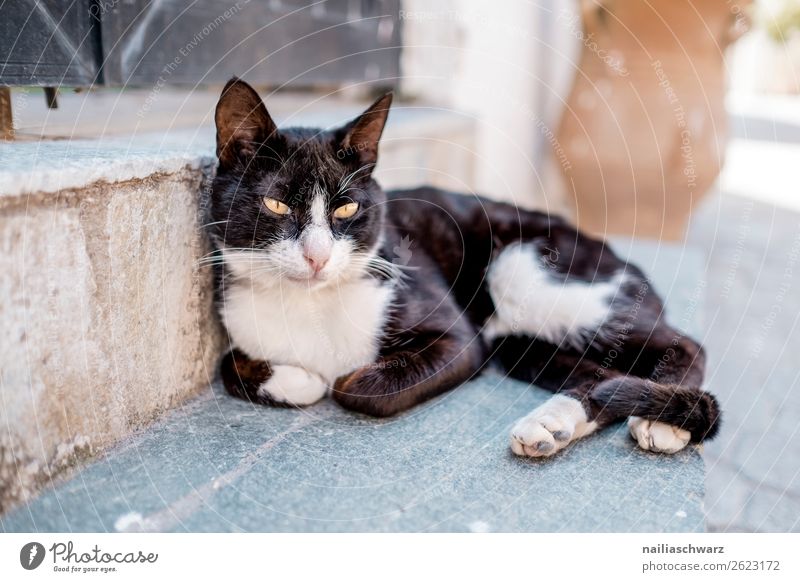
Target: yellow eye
[346,210]
[276,206]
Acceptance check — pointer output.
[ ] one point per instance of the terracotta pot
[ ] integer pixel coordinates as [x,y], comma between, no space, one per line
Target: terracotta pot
[644,128]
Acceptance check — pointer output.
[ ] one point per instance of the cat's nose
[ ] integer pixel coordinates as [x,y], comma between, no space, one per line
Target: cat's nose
[316,262]
[317,244]
[317,252]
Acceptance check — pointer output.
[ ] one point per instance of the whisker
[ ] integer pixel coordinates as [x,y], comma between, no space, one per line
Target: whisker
[217,251]
[231,259]
[213,223]
[380,260]
[345,182]
[380,266]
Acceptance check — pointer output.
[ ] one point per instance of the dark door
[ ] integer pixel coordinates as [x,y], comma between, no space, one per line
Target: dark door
[189,42]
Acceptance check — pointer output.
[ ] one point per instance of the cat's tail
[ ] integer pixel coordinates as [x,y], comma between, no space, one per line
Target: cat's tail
[686,407]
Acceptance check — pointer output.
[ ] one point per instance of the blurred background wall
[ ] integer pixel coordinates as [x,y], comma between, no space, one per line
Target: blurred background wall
[611,112]
[614,113]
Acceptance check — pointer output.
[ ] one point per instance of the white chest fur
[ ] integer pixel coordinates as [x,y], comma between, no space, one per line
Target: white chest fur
[329,331]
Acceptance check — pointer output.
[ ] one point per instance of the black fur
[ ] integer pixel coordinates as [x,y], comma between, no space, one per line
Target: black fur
[432,339]
[242,377]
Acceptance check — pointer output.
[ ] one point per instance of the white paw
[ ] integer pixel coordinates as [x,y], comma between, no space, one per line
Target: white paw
[550,427]
[293,385]
[658,437]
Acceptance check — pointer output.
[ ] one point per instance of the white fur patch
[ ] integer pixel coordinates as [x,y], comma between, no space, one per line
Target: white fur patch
[529,299]
[319,208]
[293,385]
[330,330]
[550,427]
[658,437]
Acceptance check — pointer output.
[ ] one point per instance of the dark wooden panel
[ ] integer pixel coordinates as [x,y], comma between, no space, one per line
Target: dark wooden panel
[47,42]
[273,42]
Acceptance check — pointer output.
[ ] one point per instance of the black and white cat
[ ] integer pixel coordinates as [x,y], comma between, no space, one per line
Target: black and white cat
[329,285]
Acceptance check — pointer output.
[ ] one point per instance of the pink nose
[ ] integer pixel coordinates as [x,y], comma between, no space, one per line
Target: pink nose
[317,245]
[316,263]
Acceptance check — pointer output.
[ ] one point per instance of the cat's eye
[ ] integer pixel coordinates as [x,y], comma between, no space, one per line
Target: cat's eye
[346,210]
[276,206]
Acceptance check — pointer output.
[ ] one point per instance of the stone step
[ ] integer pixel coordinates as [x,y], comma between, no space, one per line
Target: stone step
[222,464]
[107,321]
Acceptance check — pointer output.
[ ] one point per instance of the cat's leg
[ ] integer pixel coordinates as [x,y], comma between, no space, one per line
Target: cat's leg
[664,418]
[429,345]
[568,415]
[274,385]
[547,429]
[423,365]
[571,415]
[668,409]
[589,401]
[667,405]
[542,320]
[602,344]
[658,437]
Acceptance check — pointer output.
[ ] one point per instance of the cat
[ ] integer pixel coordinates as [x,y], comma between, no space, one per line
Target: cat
[327,285]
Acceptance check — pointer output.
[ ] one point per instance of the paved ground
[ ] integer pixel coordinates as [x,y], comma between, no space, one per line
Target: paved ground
[753,341]
[222,464]
[751,236]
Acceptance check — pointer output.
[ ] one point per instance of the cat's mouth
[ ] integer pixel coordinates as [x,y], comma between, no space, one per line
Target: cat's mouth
[312,280]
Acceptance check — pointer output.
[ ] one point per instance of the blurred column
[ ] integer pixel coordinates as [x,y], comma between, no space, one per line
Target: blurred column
[502,64]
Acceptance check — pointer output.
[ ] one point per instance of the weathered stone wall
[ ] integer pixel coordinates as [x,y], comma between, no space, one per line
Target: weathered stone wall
[106,319]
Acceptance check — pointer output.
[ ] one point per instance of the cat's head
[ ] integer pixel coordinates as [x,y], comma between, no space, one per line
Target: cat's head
[295,206]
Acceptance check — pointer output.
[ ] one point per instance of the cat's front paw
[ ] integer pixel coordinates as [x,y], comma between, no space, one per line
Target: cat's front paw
[658,437]
[550,427]
[293,385]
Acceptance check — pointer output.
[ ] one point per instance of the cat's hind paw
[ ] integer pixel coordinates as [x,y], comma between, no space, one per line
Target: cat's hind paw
[550,427]
[293,385]
[658,437]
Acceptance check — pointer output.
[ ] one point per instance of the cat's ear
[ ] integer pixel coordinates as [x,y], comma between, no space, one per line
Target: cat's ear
[360,137]
[243,123]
